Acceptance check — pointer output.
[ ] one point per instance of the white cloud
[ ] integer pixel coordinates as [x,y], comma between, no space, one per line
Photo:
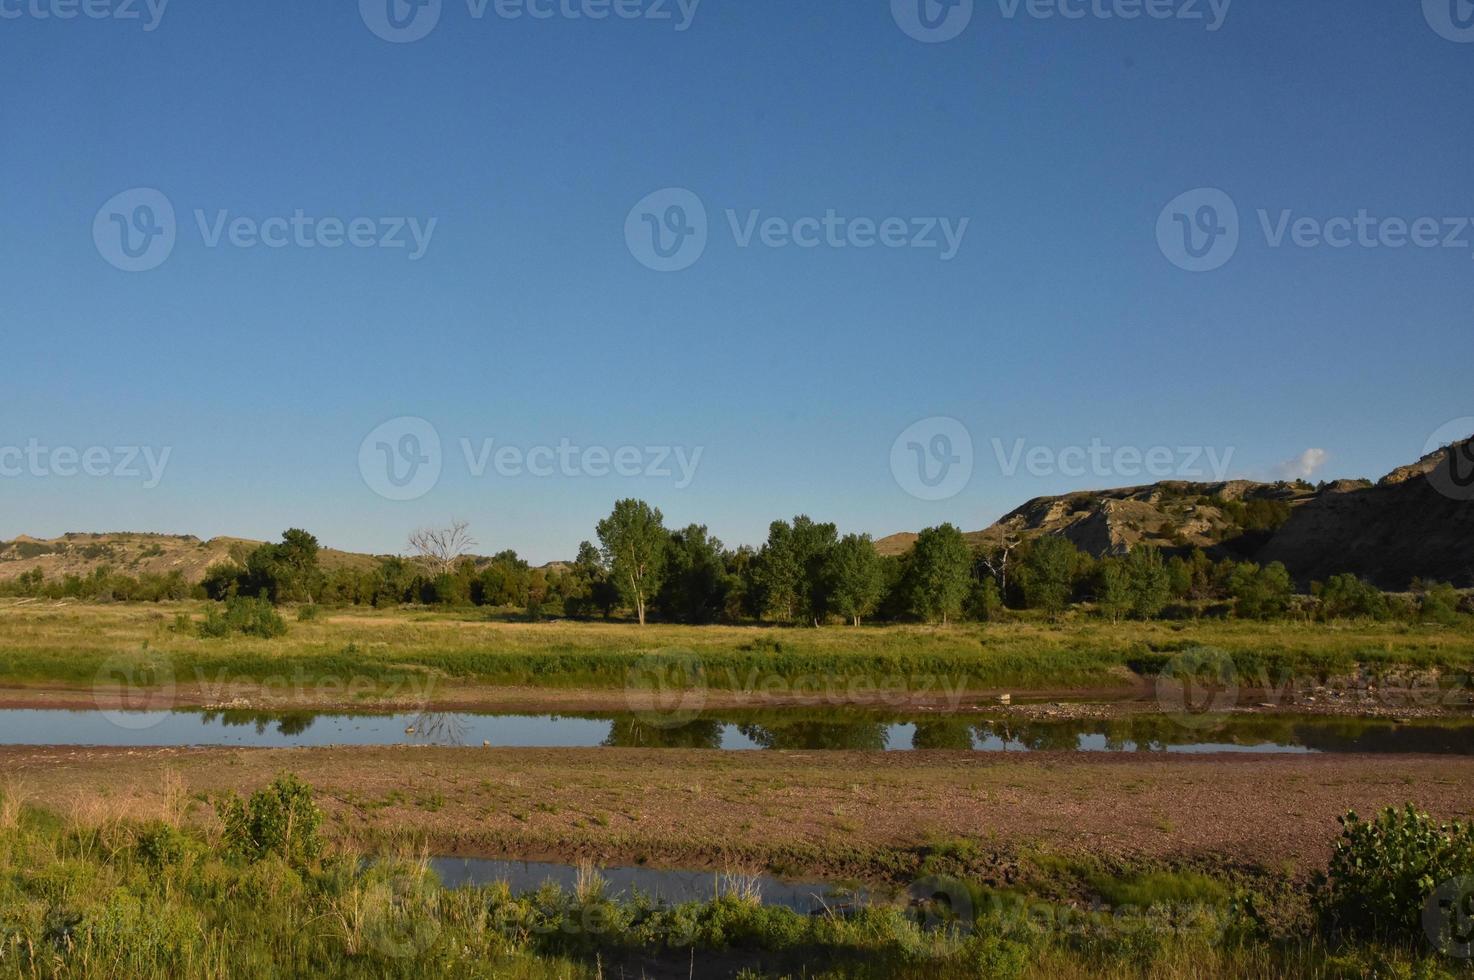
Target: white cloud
[1302,467]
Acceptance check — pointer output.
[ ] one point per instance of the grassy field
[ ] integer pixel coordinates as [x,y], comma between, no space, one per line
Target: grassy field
[68,645]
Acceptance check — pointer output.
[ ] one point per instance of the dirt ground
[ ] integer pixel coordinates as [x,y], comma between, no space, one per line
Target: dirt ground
[833,813]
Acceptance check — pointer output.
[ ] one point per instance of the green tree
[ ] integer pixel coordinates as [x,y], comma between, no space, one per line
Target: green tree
[1113,588]
[694,589]
[1260,593]
[1346,596]
[853,577]
[788,572]
[284,572]
[1047,575]
[984,600]
[1440,604]
[634,540]
[941,568]
[1149,582]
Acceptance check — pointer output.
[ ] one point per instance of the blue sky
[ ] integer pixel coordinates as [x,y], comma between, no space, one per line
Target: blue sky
[530,320]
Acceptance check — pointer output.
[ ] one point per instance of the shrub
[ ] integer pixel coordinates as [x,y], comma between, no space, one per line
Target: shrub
[308,614]
[160,845]
[244,615]
[1383,871]
[280,819]
[1440,604]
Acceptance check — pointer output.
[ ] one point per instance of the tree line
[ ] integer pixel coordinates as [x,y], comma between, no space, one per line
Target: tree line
[804,572]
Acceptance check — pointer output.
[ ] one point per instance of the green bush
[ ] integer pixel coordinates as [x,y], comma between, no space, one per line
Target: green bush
[308,614]
[281,819]
[244,615]
[160,845]
[1383,871]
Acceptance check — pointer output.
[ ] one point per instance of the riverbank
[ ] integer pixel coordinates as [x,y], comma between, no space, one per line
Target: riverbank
[146,655]
[833,814]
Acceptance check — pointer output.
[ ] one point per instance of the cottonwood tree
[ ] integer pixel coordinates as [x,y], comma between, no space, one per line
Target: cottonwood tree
[441,548]
[790,568]
[633,539]
[853,577]
[941,570]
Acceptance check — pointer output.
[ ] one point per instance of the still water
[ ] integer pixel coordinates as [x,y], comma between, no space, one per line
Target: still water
[794,729]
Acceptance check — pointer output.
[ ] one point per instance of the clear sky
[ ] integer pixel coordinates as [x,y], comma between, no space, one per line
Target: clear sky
[533,316]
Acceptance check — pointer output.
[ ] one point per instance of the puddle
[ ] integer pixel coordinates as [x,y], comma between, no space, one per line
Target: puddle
[668,887]
[792,729]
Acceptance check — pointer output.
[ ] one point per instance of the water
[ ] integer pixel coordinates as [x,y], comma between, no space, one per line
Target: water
[668,887]
[792,729]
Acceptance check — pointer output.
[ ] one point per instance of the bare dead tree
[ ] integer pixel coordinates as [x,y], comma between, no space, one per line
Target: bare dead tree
[997,563]
[440,548]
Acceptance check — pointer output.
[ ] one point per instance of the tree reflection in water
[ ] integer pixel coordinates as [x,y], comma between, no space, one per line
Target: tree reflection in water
[857,735]
[631,733]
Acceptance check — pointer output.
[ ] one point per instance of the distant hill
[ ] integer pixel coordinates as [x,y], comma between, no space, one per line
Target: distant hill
[135,554]
[139,553]
[1402,527]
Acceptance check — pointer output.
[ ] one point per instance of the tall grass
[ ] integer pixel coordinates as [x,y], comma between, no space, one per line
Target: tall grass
[126,898]
[72,644]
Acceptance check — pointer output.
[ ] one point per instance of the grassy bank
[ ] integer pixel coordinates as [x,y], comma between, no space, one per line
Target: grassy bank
[44,643]
[89,898]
